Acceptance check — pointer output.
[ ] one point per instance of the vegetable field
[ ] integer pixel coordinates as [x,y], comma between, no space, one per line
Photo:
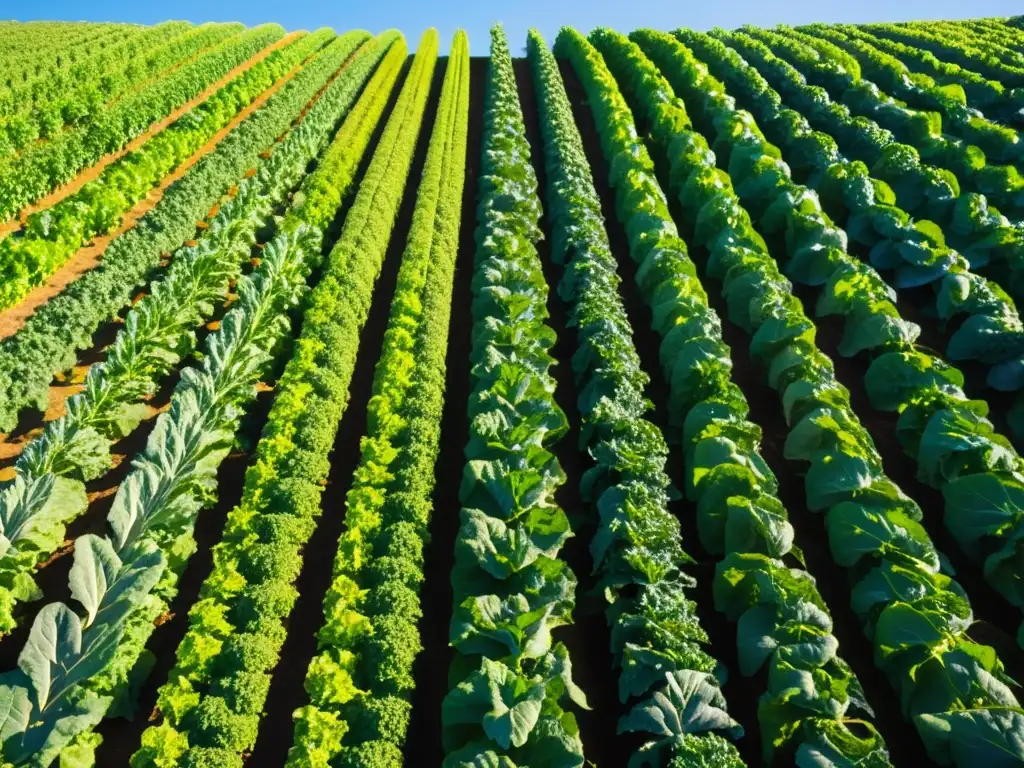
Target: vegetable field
[648,400]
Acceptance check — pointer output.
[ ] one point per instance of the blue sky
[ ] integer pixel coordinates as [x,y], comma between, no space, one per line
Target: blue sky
[476,16]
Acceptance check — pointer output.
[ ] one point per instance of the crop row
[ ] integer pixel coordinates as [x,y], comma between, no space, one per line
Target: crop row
[956,449]
[917,617]
[987,95]
[955,45]
[51,337]
[73,670]
[665,676]
[211,704]
[42,107]
[40,169]
[127,580]
[510,587]
[998,142]
[249,595]
[360,681]
[33,51]
[829,67]
[52,236]
[912,250]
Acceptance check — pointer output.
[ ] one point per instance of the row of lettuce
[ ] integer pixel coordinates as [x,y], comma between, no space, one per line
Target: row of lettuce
[78,666]
[35,53]
[898,241]
[51,338]
[873,528]
[361,680]
[510,586]
[28,50]
[44,166]
[740,516]
[955,448]
[48,489]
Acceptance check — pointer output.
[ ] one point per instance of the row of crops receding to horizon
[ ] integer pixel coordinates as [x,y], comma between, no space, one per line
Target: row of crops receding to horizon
[652,400]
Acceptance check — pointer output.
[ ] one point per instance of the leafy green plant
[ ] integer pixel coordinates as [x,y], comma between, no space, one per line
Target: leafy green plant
[51,337]
[372,607]
[511,589]
[71,672]
[782,621]
[913,252]
[946,433]
[829,67]
[98,207]
[43,167]
[225,661]
[158,334]
[58,96]
[917,617]
[636,550]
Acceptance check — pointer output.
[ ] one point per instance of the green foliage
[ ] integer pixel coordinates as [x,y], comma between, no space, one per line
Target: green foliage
[872,525]
[510,588]
[636,549]
[239,632]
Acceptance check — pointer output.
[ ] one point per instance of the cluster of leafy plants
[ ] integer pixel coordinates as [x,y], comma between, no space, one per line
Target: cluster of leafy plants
[51,338]
[957,44]
[912,250]
[999,142]
[52,236]
[827,66]
[28,52]
[671,684]
[209,708]
[956,448]
[360,680]
[510,677]
[43,106]
[159,332]
[981,234]
[992,333]
[43,167]
[813,696]
[916,616]
[985,94]
[75,668]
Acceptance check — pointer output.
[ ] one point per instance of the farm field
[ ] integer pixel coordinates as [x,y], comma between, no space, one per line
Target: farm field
[654,399]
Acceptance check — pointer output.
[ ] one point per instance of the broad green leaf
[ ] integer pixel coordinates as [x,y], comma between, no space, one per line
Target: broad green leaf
[982,505]
[855,530]
[33,511]
[690,702]
[980,737]
[836,477]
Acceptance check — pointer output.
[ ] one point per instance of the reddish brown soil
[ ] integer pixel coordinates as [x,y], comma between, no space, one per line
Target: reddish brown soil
[88,257]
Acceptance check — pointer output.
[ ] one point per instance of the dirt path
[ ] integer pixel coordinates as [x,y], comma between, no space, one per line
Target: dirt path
[94,171]
[12,319]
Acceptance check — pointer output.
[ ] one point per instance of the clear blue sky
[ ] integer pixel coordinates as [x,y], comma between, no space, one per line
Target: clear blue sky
[476,16]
